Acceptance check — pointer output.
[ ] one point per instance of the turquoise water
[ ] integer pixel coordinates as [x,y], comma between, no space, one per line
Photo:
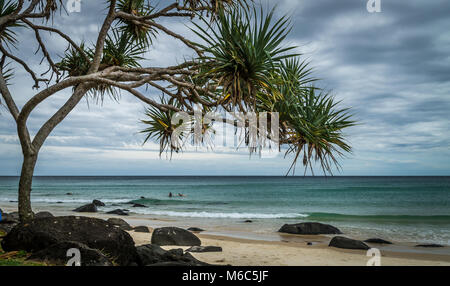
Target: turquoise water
[402,208]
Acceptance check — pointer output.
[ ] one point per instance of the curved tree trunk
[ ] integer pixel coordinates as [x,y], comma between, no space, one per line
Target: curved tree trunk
[25,183]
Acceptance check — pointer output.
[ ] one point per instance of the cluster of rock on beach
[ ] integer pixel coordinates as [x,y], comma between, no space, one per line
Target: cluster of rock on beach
[107,242]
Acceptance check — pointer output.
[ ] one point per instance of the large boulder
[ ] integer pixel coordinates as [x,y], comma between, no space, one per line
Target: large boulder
[347,243]
[43,215]
[151,254]
[174,236]
[95,233]
[98,203]
[118,212]
[120,223]
[309,228]
[377,241]
[56,254]
[89,208]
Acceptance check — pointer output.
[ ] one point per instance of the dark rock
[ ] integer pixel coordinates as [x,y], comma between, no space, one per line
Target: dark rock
[248,221]
[59,202]
[69,194]
[141,228]
[95,233]
[98,203]
[43,215]
[195,229]
[118,212]
[204,249]
[89,208]
[8,221]
[142,198]
[174,236]
[429,245]
[10,218]
[309,228]
[309,243]
[139,206]
[57,254]
[176,252]
[347,243]
[154,255]
[377,241]
[120,223]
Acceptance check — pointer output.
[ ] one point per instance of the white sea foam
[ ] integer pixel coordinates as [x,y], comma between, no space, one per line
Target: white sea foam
[220,215]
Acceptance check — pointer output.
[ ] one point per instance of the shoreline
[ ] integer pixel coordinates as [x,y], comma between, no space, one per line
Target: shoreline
[276,249]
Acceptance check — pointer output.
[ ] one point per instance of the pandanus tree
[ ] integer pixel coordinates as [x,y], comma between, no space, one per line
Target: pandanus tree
[239,63]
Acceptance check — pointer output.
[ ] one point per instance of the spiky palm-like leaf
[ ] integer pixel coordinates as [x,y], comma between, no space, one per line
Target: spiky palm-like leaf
[314,129]
[215,6]
[7,34]
[161,129]
[140,33]
[243,50]
[74,63]
[119,50]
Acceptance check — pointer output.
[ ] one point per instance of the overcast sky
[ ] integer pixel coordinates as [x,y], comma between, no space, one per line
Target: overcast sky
[392,68]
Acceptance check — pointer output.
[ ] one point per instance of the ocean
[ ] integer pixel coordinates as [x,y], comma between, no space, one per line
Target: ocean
[407,209]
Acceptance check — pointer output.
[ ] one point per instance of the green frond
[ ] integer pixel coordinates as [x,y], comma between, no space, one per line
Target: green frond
[7,34]
[214,6]
[242,52]
[161,129]
[314,128]
[139,33]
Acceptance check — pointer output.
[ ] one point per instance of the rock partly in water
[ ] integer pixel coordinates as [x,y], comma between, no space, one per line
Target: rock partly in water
[174,236]
[56,254]
[69,194]
[119,212]
[95,233]
[98,203]
[195,229]
[141,228]
[89,208]
[204,249]
[377,241]
[119,223]
[43,215]
[347,243]
[153,255]
[139,206]
[429,245]
[309,228]
[248,221]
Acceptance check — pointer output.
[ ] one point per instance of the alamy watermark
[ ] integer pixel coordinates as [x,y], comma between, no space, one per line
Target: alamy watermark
[373,6]
[375,257]
[258,132]
[75,255]
[73,6]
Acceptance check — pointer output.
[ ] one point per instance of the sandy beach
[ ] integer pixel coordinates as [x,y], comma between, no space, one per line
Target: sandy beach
[243,252]
[280,249]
